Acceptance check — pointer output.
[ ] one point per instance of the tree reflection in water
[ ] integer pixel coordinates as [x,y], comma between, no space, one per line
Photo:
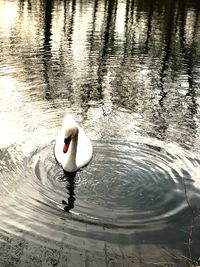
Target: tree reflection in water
[131,58]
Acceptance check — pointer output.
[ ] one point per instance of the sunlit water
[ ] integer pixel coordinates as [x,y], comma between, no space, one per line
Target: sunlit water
[129,73]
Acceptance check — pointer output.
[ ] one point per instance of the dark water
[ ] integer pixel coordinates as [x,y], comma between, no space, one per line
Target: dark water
[129,72]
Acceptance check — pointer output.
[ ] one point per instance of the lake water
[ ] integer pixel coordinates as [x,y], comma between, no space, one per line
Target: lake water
[129,72]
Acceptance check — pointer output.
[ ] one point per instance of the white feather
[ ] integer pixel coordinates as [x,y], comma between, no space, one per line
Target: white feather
[73,160]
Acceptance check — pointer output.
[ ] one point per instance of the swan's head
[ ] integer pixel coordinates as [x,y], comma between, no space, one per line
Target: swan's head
[70,133]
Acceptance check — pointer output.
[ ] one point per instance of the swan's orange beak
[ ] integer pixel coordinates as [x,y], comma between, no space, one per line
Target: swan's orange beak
[65,148]
[66,144]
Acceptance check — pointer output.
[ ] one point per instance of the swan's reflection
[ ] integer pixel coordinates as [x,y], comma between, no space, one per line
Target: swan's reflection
[70,179]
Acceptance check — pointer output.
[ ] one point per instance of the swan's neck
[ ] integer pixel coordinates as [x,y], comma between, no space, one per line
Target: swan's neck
[73,145]
[70,162]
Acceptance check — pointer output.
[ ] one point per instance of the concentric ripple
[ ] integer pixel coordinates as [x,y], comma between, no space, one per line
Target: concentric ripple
[124,185]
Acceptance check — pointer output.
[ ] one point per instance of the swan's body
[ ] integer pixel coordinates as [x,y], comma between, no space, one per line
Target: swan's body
[73,148]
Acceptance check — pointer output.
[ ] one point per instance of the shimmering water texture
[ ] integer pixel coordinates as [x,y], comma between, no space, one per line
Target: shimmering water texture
[128,71]
[125,185]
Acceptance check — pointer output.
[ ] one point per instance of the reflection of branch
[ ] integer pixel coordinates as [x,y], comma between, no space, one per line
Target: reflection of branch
[149,24]
[94,16]
[47,46]
[194,214]
[189,52]
[107,42]
[167,49]
[71,22]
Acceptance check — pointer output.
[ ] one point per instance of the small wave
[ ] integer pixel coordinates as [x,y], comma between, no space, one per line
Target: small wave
[125,187]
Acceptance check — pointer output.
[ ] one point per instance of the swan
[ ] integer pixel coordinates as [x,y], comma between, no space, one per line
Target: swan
[73,149]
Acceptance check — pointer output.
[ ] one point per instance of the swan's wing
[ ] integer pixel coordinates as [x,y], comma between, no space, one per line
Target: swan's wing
[84,149]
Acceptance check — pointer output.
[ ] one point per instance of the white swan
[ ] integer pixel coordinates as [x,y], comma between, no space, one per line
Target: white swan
[73,149]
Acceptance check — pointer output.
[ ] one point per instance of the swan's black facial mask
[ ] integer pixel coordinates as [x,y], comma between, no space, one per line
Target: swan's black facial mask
[67,141]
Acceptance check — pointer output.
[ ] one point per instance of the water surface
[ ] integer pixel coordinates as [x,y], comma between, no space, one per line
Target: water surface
[128,71]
